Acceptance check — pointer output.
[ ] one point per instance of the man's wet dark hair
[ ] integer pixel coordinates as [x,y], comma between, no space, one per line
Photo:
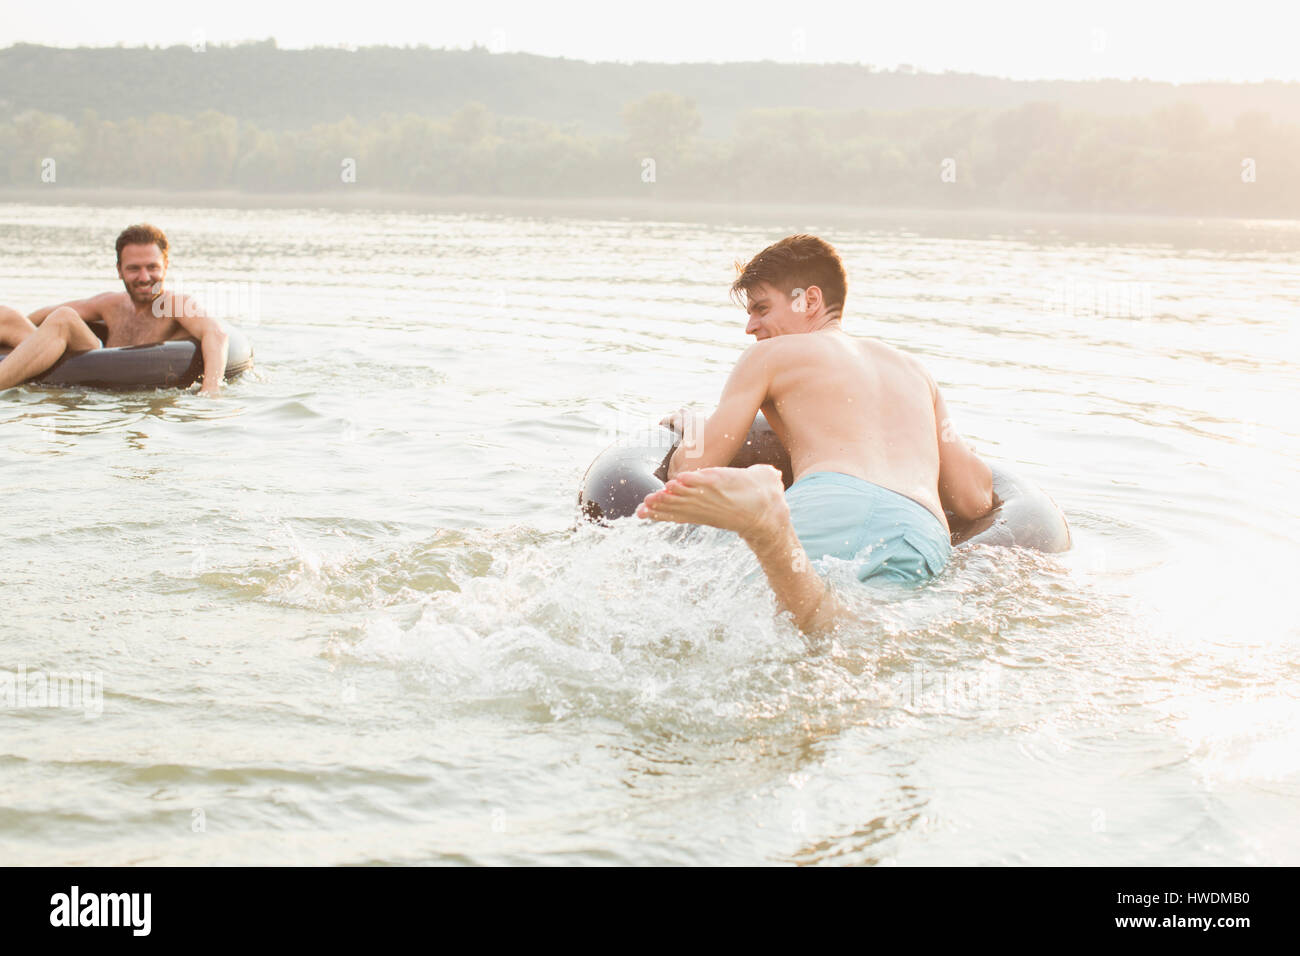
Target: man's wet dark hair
[796,262]
[141,234]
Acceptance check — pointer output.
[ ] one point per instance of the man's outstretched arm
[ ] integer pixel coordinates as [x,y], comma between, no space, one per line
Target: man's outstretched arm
[90,310]
[716,440]
[213,341]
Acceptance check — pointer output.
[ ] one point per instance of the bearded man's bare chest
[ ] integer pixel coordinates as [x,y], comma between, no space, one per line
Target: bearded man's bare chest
[133,329]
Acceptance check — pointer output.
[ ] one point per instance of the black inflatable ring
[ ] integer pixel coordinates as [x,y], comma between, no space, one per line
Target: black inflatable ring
[621,476]
[174,364]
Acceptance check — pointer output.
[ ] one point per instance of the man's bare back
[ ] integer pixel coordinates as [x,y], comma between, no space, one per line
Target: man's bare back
[858,407]
[867,431]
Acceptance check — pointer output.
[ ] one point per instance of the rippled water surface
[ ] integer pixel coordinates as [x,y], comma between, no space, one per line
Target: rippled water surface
[344,613]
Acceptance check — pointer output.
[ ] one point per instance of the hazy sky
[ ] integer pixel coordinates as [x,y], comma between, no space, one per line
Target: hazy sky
[1177,41]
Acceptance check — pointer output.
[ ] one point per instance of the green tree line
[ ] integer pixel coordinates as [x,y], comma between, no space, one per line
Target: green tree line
[295,89]
[1035,156]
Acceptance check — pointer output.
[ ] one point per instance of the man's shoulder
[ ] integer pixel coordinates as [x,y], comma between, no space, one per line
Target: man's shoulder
[826,344]
[777,344]
[780,351]
[761,350]
[912,364]
[884,349]
[112,305]
[883,354]
[171,305]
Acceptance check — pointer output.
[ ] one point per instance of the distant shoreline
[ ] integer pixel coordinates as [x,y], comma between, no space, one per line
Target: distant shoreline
[581,207]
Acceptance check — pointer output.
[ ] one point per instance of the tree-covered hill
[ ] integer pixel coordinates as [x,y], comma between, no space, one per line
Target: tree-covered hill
[434,122]
[293,89]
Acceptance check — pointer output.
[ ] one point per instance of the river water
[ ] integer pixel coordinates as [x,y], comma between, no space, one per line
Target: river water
[345,613]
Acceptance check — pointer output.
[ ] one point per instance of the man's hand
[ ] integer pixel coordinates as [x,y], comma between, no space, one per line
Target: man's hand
[679,421]
[689,426]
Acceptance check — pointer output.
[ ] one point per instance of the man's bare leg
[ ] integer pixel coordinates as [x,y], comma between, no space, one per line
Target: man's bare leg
[751,502]
[37,348]
[14,327]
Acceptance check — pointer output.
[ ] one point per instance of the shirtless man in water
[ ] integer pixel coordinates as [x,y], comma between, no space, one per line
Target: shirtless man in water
[142,315]
[876,460]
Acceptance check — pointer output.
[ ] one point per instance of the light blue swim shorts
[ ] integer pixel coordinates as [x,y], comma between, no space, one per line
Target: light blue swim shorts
[889,535]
